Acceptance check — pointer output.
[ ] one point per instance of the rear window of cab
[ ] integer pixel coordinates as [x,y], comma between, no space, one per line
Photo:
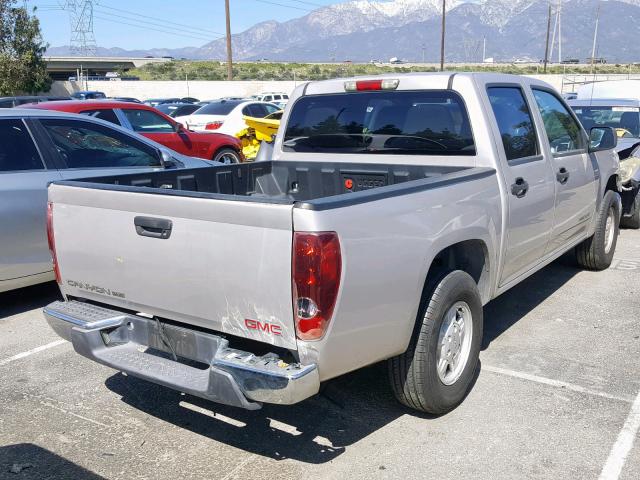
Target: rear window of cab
[381,122]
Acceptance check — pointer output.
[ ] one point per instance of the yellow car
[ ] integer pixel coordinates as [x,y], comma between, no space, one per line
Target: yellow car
[257,131]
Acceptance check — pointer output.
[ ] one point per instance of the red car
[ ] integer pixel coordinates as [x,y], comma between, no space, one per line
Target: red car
[156,126]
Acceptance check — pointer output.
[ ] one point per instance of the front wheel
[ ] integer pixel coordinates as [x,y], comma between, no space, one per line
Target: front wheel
[228,156]
[632,221]
[596,252]
[437,370]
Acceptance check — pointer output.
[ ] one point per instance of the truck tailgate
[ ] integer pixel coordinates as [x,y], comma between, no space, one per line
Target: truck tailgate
[223,265]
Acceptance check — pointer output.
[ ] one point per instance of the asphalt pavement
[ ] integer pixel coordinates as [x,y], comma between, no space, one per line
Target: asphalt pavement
[557,397]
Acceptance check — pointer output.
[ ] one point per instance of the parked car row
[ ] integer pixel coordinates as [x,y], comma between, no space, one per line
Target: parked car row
[156,126]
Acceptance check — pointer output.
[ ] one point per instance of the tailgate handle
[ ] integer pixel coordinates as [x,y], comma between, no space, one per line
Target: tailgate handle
[153,227]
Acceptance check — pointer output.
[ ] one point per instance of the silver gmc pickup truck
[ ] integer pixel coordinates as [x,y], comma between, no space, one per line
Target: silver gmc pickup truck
[392,210]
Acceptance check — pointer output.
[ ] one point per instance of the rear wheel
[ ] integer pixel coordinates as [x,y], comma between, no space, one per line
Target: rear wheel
[437,370]
[227,156]
[596,252]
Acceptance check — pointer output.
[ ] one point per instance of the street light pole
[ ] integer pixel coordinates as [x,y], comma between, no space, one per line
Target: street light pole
[444,13]
[229,54]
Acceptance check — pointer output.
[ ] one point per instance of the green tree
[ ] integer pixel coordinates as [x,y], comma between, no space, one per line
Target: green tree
[22,67]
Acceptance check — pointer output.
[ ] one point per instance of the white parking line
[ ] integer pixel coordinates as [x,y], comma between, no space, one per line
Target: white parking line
[555,383]
[31,352]
[621,449]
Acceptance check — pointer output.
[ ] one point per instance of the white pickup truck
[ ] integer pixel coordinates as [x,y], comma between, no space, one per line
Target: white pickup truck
[393,209]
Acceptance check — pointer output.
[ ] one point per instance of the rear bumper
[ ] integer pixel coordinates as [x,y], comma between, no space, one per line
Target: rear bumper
[126,342]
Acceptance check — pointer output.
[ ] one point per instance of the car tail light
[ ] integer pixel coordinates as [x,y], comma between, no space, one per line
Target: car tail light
[368,85]
[213,125]
[317,266]
[52,242]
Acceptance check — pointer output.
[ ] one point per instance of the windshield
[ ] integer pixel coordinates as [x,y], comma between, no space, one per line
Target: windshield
[625,120]
[424,123]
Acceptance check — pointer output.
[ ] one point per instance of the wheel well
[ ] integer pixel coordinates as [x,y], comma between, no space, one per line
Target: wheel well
[225,147]
[612,184]
[471,256]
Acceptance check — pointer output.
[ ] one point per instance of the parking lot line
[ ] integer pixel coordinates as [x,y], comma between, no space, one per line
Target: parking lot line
[624,443]
[555,383]
[31,352]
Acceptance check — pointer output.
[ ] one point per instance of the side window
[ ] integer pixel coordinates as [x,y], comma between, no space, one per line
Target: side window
[103,114]
[255,110]
[514,121]
[268,98]
[17,151]
[89,145]
[562,129]
[271,109]
[144,121]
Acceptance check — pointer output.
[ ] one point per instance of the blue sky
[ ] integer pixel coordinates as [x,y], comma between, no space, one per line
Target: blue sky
[121,23]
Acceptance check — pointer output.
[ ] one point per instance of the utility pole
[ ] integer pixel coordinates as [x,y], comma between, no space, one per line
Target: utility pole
[229,54]
[595,39]
[444,13]
[560,31]
[546,47]
[424,50]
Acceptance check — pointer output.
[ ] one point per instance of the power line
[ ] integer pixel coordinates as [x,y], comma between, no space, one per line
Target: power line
[310,3]
[169,32]
[160,19]
[165,25]
[283,5]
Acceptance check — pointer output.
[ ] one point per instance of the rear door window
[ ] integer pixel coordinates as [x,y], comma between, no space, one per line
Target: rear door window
[270,109]
[106,114]
[17,150]
[84,144]
[398,122]
[514,121]
[144,121]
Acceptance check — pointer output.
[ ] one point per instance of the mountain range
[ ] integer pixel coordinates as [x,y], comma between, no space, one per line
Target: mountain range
[364,30]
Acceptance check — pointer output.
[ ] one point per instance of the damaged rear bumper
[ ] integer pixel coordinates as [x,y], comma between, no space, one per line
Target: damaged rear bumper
[225,375]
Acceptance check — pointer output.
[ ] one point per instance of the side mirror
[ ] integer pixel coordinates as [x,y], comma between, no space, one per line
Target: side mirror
[602,138]
[179,128]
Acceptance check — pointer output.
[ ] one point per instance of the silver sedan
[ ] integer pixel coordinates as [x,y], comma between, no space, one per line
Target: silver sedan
[38,147]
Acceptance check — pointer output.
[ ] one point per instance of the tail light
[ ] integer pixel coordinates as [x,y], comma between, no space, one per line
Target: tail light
[213,125]
[317,266]
[52,242]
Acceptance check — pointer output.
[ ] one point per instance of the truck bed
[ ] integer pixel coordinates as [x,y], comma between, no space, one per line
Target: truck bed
[311,185]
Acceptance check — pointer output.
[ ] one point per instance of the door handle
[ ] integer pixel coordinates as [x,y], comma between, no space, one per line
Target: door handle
[520,188]
[153,227]
[562,176]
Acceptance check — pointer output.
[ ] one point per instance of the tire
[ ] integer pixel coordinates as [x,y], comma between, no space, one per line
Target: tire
[632,221]
[596,252]
[227,156]
[414,375]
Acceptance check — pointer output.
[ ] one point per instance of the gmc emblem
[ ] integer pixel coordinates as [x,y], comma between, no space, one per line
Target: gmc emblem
[264,327]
